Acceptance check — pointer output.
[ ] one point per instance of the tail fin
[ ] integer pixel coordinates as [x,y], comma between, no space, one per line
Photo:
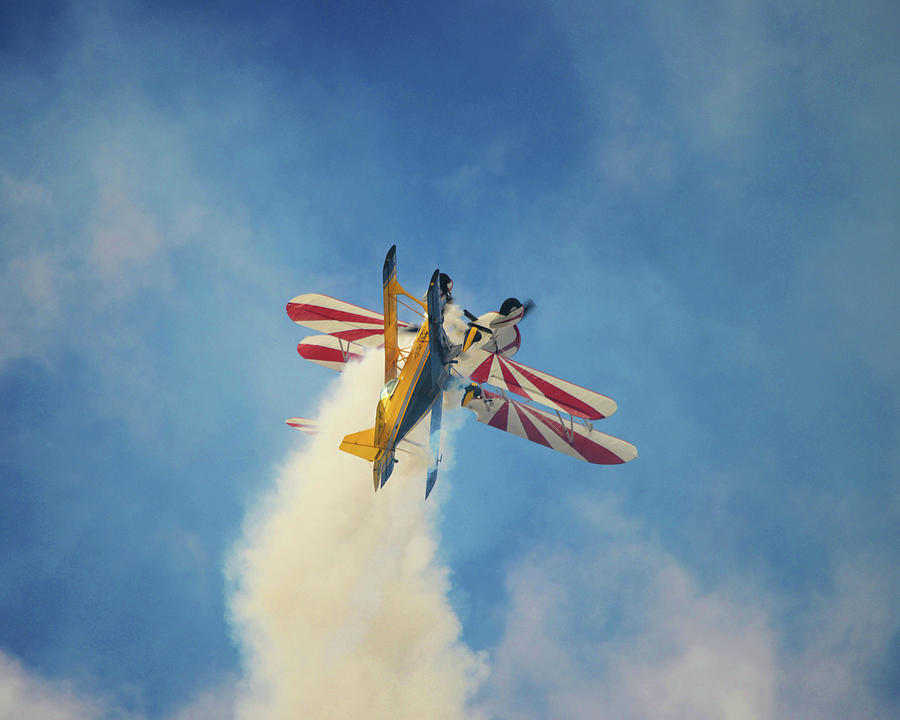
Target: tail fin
[435,433]
[361,444]
[389,276]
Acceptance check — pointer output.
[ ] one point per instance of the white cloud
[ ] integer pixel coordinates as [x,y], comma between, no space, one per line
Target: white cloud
[23,193]
[467,183]
[635,152]
[850,276]
[32,290]
[634,159]
[214,703]
[25,696]
[619,630]
[844,637]
[123,234]
[722,61]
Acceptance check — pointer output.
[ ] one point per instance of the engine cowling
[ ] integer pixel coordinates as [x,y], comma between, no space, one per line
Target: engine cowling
[509,305]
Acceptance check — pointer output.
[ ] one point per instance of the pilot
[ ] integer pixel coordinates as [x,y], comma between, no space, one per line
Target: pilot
[446,286]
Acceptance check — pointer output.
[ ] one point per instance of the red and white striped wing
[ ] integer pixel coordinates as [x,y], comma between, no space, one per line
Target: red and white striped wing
[329,351]
[557,394]
[344,320]
[328,315]
[311,427]
[544,428]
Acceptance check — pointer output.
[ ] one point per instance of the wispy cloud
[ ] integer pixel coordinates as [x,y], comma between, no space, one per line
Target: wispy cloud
[122,234]
[26,696]
[620,630]
[721,62]
[841,658]
[19,193]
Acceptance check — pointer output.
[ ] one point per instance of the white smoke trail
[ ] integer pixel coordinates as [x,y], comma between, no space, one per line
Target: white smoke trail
[340,604]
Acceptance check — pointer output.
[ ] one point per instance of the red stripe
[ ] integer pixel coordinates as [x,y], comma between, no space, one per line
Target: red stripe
[584,446]
[560,396]
[530,430]
[326,354]
[500,417]
[514,344]
[550,423]
[596,453]
[510,379]
[313,313]
[483,372]
[311,429]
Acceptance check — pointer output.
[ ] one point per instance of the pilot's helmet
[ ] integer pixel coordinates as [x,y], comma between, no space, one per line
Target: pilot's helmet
[446,284]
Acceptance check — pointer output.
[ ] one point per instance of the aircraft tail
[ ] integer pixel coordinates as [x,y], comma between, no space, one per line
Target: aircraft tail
[361,444]
[391,351]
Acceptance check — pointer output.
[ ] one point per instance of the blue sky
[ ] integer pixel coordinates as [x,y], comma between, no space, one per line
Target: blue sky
[701,199]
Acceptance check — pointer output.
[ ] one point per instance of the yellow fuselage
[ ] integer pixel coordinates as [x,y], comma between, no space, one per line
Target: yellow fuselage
[394,401]
[408,396]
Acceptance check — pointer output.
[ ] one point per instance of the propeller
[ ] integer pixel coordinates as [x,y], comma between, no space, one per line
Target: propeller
[512,303]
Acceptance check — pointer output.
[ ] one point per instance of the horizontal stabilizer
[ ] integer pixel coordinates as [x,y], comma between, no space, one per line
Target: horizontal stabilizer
[308,426]
[361,444]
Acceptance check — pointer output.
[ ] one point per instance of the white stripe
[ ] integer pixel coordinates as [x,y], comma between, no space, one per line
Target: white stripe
[556,442]
[513,424]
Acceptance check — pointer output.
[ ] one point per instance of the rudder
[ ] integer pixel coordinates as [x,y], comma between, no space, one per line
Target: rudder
[391,351]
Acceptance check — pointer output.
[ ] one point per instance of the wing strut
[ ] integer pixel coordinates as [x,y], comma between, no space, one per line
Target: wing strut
[391,289]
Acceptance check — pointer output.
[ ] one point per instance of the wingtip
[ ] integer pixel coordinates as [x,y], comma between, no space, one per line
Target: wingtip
[627,452]
[430,482]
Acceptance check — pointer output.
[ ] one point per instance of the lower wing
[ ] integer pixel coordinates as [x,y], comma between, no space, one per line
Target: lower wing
[553,430]
[329,351]
[541,387]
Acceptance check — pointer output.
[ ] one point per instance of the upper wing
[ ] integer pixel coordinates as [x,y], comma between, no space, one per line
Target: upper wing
[557,394]
[336,317]
[550,430]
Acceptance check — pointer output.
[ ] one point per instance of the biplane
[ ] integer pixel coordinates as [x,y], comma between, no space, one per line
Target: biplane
[546,410]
